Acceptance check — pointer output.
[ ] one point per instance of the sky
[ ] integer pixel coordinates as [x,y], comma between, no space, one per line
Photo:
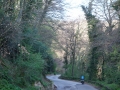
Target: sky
[73,9]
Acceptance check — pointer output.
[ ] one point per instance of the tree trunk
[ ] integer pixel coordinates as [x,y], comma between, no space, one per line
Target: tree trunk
[73,55]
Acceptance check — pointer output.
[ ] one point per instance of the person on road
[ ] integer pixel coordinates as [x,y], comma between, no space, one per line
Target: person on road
[82,79]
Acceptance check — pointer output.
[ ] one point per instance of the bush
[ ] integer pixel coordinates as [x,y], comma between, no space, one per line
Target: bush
[30,69]
[113,86]
[31,88]
[118,78]
[5,85]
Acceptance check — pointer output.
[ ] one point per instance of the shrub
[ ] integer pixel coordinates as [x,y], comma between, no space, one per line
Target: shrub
[5,85]
[113,86]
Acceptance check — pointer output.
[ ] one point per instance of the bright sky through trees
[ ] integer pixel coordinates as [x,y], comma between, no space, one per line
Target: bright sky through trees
[74,8]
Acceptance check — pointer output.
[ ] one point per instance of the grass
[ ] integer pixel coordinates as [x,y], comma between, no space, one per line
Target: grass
[106,86]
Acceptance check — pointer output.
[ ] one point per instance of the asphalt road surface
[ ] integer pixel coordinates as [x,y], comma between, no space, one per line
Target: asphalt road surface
[68,85]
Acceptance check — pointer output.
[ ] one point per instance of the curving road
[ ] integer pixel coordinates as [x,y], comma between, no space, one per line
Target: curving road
[68,85]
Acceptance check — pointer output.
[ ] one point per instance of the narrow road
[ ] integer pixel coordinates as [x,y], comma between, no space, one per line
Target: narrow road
[68,85]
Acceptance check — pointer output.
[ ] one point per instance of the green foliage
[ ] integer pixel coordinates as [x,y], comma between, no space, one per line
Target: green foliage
[117,78]
[39,47]
[78,70]
[28,69]
[110,73]
[5,85]
[92,69]
[88,13]
[1,14]
[92,32]
[109,58]
[111,68]
[23,73]
[105,85]
[21,66]
[31,88]
[116,5]
[114,56]
[46,34]
[113,86]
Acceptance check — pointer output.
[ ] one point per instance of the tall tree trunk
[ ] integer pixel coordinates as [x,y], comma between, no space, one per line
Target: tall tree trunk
[19,17]
[73,55]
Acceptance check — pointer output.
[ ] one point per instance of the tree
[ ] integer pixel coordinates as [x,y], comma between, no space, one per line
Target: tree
[20,24]
[103,10]
[72,41]
[103,33]
[94,33]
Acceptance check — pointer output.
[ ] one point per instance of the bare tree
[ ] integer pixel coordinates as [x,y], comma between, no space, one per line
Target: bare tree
[72,38]
[103,10]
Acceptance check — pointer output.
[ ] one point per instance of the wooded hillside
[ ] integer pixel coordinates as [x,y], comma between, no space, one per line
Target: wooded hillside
[32,32]
[102,63]
[25,42]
